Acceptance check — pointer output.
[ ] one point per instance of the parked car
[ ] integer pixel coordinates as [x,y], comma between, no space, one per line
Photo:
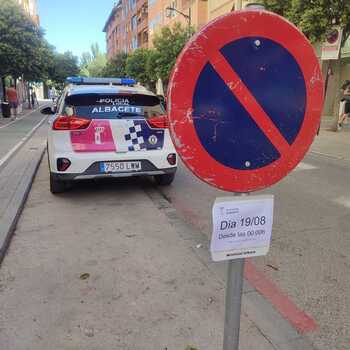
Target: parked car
[108,127]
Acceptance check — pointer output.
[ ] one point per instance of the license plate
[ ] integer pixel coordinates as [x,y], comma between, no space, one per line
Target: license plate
[116,167]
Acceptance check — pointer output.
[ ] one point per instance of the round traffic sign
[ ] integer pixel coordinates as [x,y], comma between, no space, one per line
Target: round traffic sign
[245,100]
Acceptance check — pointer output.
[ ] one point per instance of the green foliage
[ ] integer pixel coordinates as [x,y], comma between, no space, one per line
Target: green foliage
[147,65]
[23,51]
[96,67]
[152,66]
[92,64]
[136,65]
[115,67]
[278,6]
[63,66]
[168,45]
[85,59]
[315,18]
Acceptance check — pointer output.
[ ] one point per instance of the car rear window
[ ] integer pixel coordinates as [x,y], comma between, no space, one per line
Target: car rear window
[97,106]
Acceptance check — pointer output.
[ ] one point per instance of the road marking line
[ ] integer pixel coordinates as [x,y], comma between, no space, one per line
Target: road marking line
[305,166]
[23,116]
[14,149]
[329,155]
[297,317]
[344,201]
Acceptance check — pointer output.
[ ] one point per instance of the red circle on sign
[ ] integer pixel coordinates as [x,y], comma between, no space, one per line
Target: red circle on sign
[203,48]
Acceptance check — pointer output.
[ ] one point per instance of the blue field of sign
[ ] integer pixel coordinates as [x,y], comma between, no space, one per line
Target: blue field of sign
[224,127]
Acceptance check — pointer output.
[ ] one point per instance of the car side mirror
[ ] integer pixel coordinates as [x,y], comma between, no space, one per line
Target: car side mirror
[47,110]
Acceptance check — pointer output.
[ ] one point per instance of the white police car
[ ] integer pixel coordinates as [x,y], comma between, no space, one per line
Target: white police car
[108,127]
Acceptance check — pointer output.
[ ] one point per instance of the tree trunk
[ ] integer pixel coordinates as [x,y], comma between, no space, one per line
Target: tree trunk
[3,88]
[338,95]
[28,96]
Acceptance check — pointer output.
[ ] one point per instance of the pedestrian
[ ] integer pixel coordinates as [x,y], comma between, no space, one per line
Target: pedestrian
[33,98]
[344,105]
[12,98]
[52,94]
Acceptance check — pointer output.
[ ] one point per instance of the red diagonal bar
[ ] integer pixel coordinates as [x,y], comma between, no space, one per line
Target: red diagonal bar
[248,101]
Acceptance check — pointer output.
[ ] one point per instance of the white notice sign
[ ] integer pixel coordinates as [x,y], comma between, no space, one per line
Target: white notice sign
[242,227]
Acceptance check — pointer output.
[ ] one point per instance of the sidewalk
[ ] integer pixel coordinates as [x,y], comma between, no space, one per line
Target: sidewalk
[14,133]
[25,111]
[332,144]
[113,267]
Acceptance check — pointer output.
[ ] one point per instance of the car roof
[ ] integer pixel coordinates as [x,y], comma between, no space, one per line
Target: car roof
[107,89]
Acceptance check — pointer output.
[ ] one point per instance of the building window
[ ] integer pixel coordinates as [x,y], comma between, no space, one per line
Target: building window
[125,10]
[155,22]
[132,4]
[151,2]
[173,5]
[133,23]
[134,42]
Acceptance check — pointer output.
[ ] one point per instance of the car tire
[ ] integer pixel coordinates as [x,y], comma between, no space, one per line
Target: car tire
[164,180]
[57,186]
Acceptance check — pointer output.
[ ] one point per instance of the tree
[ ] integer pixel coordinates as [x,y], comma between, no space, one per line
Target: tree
[316,19]
[115,67]
[136,65]
[63,66]
[23,50]
[152,67]
[85,59]
[168,45]
[92,64]
[278,6]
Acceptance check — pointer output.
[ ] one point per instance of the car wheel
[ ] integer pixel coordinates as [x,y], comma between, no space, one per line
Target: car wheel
[57,186]
[164,180]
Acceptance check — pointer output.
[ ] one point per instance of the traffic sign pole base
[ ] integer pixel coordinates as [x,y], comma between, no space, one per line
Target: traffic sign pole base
[234,289]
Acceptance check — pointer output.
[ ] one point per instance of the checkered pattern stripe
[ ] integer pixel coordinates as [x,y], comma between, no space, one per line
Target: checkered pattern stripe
[134,137]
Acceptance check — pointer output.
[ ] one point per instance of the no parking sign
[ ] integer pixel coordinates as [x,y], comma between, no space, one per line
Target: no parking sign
[245,100]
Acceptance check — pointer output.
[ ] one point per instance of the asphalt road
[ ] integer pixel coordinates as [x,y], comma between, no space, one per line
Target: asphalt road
[309,258]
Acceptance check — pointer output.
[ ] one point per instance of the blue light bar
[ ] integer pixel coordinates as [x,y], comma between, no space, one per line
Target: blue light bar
[100,81]
[74,80]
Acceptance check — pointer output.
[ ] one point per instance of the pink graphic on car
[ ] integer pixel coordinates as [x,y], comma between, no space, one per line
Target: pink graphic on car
[96,138]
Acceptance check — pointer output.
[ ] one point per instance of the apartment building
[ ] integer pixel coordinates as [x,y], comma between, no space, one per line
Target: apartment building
[217,8]
[187,12]
[127,27]
[30,8]
[133,23]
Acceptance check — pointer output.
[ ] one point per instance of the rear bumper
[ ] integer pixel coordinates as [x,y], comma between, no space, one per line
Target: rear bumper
[93,172]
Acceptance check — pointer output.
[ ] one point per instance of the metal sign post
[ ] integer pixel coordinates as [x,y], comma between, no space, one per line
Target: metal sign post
[234,287]
[233,302]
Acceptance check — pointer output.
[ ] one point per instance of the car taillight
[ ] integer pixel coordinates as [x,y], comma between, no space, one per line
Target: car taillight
[70,123]
[160,122]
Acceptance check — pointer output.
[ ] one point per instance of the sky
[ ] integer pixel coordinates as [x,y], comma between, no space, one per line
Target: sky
[74,24]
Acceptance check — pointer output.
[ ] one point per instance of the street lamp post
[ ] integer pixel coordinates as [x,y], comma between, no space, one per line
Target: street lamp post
[170,10]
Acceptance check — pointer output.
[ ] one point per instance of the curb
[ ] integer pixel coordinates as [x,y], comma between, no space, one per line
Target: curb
[8,223]
[263,314]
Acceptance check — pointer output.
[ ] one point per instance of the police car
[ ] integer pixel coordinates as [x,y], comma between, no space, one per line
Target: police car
[108,127]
